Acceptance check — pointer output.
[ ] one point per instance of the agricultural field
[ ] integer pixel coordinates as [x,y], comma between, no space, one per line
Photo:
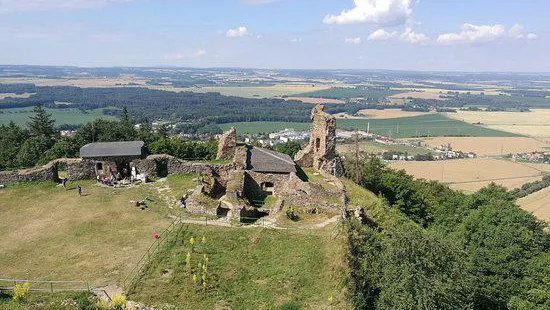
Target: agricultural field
[534,124]
[489,146]
[52,234]
[374,94]
[278,90]
[431,125]
[377,148]
[250,268]
[390,113]
[12,95]
[62,116]
[538,203]
[78,82]
[316,100]
[417,94]
[472,174]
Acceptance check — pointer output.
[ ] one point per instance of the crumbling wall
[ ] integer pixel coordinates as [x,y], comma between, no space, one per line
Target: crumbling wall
[253,181]
[29,175]
[81,170]
[320,153]
[227,145]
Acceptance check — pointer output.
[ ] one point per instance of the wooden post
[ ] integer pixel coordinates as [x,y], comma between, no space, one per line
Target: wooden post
[51,286]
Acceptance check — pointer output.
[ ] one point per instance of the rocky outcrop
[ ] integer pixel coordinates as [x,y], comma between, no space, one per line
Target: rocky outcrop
[320,153]
[227,145]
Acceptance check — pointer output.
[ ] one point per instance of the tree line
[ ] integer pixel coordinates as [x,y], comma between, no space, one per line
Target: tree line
[448,250]
[40,142]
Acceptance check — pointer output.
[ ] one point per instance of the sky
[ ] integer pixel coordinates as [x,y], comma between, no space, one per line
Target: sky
[428,35]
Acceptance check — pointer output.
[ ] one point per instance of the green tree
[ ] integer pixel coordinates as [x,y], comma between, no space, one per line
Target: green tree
[32,150]
[290,148]
[66,147]
[41,123]
[12,138]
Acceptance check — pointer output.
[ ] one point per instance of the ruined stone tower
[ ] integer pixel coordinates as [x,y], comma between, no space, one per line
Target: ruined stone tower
[320,153]
[227,145]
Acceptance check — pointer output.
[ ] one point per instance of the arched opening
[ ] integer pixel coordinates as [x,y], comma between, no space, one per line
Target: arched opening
[317,144]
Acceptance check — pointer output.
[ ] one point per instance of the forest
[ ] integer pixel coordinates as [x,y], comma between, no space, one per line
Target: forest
[443,249]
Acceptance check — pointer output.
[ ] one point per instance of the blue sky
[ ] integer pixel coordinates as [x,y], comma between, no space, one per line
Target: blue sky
[463,35]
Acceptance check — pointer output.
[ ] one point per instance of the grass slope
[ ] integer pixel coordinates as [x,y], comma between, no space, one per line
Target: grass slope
[248,268]
[62,116]
[52,234]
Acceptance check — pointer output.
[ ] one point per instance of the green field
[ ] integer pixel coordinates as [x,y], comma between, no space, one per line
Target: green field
[52,234]
[62,116]
[433,125]
[374,94]
[250,268]
[378,148]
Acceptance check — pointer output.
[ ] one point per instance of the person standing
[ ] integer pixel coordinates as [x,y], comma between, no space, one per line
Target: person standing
[64,182]
[79,190]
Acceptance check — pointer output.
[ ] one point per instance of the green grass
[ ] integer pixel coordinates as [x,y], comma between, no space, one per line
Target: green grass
[45,301]
[433,125]
[375,94]
[62,116]
[249,268]
[52,234]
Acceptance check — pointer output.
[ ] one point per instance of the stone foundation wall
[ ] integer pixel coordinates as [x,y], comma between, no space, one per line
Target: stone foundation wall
[29,175]
[253,181]
[81,170]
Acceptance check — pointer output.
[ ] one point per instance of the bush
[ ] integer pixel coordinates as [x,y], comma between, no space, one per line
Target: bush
[20,291]
[118,301]
[291,214]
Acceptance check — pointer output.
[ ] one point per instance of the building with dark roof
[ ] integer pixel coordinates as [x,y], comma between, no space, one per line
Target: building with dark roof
[112,149]
[112,158]
[268,161]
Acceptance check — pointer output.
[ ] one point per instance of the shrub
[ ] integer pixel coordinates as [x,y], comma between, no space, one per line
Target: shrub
[20,291]
[291,214]
[118,301]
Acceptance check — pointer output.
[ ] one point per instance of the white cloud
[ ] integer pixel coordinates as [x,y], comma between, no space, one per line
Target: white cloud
[472,33]
[382,35]
[410,36]
[260,1]
[355,40]
[237,32]
[296,40]
[29,5]
[532,36]
[373,11]
[516,31]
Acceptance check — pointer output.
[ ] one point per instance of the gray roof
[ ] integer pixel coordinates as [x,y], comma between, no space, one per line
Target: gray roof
[264,160]
[112,149]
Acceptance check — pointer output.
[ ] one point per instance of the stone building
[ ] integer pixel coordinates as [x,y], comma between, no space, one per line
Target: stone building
[112,157]
[320,153]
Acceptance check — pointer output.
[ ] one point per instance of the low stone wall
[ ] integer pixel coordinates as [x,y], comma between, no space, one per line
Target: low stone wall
[46,173]
[81,170]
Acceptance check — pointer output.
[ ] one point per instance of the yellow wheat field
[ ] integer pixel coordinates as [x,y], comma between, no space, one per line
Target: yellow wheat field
[538,203]
[535,123]
[487,146]
[472,174]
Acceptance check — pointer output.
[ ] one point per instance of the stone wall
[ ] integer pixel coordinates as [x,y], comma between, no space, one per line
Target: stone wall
[81,170]
[227,145]
[48,173]
[320,153]
[253,181]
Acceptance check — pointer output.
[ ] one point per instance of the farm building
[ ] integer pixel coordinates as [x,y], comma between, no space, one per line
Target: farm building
[112,157]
